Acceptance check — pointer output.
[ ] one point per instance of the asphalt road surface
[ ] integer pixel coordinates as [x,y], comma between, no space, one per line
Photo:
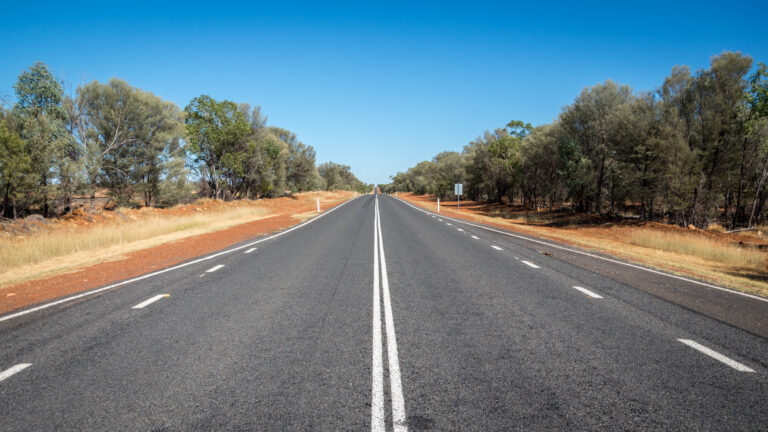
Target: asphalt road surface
[381,316]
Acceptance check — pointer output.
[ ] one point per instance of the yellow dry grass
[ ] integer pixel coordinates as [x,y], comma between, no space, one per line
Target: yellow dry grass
[67,247]
[686,254]
[699,247]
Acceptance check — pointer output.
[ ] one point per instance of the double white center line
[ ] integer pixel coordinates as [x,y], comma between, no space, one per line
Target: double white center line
[396,389]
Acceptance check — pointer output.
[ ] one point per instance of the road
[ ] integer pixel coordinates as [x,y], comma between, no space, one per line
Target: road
[380,316]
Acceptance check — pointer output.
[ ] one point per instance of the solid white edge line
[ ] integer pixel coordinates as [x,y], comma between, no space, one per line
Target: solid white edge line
[716,355]
[176,267]
[588,292]
[399,422]
[591,255]
[496,247]
[214,268]
[13,370]
[250,250]
[377,369]
[150,301]
[530,264]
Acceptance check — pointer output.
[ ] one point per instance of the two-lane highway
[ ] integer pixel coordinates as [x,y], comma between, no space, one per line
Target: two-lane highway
[468,330]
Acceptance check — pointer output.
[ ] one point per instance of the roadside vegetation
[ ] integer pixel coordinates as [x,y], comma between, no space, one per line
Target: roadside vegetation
[57,150]
[694,151]
[37,247]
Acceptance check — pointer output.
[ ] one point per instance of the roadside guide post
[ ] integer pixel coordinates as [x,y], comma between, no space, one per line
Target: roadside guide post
[457,190]
[438,205]
[318,205]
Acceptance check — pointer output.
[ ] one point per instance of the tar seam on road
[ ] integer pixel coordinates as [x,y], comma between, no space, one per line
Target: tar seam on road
[716,355]
[693,281]
[165,270]
[399,422]
[13,370]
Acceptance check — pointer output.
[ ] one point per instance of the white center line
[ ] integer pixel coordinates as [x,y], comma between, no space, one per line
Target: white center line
[377,371]
[530,264]
[476,237]
[588,292]
[716,355]
[459,229]
[14,370]
[250,250]
[496,247]
[150,301]
[213,269]
[399,423]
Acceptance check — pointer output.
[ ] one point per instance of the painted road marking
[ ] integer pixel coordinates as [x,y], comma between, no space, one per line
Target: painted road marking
[591,255]
[496,247]
[530,264]
[150,301]
[165,270]
[250,250]
[14,370]
[439,220]
[476,237]
[399,422]
[716,355]
[459,229]
[377,371]
[213,269]
[588,292]
[448,224]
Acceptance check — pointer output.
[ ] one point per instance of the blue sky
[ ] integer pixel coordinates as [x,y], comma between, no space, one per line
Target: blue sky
[378,86]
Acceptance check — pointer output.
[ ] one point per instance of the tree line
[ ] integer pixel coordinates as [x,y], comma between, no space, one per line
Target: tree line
[142,150]
[693,151]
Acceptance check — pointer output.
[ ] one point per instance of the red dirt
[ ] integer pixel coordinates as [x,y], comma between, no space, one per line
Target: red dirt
[147,260]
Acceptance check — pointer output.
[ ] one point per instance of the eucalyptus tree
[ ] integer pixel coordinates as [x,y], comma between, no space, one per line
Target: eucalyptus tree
[131,139]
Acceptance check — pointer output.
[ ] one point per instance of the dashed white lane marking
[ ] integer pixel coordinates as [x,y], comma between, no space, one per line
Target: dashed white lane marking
[459,229]
[250,250]
[716,355]
[591,255]
[13,370]
[496,247]
[530,264]
[439,220]
[588,292]
[476,237]
[150,301]
[165,270]
[448,224]
[213,269]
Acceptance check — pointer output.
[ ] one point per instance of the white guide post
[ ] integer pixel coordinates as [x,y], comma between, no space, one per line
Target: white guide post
[318,206]
[438,205]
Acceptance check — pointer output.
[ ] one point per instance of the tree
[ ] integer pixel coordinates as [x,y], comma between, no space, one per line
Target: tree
[41,117]
[137,138]
[16,175]
[217,132]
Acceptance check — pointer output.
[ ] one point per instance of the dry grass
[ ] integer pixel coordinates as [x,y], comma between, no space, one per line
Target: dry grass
[51,252]
[712,256]
[730,255]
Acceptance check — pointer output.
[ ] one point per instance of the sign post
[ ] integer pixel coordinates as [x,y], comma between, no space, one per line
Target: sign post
[458,189]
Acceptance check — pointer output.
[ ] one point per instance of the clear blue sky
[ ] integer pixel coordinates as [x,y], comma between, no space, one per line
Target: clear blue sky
[378,87]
